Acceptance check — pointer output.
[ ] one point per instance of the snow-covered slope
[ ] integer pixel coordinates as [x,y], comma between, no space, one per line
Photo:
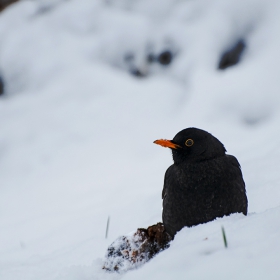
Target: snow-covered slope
[77,132]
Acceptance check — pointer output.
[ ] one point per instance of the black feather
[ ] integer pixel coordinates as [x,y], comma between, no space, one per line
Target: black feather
[203,183]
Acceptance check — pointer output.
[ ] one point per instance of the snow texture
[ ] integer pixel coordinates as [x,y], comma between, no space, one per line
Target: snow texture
[86,94]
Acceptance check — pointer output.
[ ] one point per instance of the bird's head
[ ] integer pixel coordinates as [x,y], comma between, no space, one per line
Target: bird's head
[193,144]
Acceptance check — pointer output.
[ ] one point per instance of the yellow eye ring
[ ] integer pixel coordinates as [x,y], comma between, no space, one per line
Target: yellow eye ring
[189,142]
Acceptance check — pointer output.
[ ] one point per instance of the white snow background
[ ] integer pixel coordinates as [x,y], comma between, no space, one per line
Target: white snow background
[77,132]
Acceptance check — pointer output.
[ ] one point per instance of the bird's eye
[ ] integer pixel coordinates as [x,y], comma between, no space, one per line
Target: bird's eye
[189,142]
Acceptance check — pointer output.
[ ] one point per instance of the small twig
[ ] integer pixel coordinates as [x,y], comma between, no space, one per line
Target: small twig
[224,237]
[107,228]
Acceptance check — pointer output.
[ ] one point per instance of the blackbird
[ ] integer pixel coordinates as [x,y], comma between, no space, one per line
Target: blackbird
[203,183]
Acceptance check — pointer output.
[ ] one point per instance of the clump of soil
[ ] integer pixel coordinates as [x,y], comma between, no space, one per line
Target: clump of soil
[134,250]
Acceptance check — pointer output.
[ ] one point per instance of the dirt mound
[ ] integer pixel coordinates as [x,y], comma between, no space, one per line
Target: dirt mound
[128,252]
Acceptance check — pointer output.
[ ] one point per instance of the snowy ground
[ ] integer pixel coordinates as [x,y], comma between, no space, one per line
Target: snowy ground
[77,132]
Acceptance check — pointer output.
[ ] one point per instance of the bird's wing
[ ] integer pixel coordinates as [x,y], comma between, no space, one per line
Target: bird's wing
[233,160]
[236,168]
[238,182]
[167,178]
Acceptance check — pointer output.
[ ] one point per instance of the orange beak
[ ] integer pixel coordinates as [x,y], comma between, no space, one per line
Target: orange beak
[167,144]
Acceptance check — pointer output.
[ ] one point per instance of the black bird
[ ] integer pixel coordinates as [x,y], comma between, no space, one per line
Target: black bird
[203,183]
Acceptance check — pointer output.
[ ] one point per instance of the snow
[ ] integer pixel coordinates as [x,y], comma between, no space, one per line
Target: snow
[77,132]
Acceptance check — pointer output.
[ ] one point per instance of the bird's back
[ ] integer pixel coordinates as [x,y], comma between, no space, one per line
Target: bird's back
[198,192]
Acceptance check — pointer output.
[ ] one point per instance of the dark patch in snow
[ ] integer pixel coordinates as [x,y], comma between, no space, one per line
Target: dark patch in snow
[151,58]
[5,3]
[254,120]
[129,59]
[2,88]
[139,64]
[136,72]
[232,56]
[165,58]
[128,252]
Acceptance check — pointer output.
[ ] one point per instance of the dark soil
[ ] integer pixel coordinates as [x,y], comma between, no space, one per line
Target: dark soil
[129,252]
